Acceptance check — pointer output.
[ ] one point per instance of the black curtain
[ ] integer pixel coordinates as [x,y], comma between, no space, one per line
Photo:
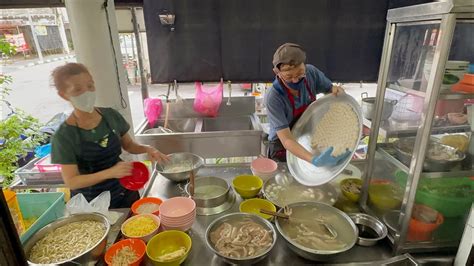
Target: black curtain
[236,39]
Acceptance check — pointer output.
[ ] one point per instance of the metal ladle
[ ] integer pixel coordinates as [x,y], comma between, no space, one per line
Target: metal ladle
[330,230]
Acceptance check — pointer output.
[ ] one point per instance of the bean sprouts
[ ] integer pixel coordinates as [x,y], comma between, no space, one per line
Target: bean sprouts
[124,257]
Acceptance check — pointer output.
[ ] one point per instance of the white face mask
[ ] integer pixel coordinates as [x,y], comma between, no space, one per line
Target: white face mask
[84,102]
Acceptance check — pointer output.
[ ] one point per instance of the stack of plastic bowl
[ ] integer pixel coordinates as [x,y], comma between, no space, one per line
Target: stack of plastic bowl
[264,168]
[178,213]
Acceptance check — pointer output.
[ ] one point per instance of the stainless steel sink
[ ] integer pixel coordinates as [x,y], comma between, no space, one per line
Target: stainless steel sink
[236,132]
[227,123]
[176,125]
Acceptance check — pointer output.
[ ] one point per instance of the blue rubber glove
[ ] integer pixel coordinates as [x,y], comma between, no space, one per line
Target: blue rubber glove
[326,159]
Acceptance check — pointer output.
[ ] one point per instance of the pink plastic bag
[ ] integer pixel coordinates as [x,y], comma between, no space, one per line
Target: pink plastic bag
[208,100]
[153,107]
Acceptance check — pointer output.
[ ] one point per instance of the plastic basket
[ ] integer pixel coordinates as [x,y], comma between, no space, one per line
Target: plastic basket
[30,175]
[47,207]
[45,165]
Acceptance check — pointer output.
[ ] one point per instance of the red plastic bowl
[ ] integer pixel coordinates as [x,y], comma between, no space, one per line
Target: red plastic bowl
[137,179]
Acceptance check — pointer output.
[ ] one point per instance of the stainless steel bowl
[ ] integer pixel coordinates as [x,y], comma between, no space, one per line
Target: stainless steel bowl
[404,152]
[209,201]
[371,230]
[180,159]
[326,193]
[321,255]
[88,257]
[239,217]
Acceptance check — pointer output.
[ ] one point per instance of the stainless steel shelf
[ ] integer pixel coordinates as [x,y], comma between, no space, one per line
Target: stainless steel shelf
[382,150]
[387,132]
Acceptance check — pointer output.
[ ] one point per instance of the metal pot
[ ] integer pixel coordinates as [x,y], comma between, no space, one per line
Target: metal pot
[88,257]
[320,255]
[368,107]
[213,201]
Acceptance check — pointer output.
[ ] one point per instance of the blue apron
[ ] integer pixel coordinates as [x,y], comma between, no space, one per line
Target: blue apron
[95,157]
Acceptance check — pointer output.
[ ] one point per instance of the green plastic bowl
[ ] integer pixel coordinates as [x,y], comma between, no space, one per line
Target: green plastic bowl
[430,193]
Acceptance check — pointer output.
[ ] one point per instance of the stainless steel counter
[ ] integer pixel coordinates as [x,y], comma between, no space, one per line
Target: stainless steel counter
[280,255]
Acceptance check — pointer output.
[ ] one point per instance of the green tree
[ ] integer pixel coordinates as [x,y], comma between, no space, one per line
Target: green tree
[19,132]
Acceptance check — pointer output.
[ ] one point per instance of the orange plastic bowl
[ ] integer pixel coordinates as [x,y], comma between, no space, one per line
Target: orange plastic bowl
[139,202]
[136,245]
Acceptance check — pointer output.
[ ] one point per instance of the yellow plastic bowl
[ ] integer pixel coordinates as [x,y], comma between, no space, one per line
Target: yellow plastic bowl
[385,195]
[352,196]
[166,242]
[247,186]
[254,206]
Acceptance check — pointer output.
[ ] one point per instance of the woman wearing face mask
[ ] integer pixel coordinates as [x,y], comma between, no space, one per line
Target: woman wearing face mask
[295,87]
[88,144]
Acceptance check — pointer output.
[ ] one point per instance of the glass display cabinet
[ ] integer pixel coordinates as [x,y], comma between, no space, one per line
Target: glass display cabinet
[419,177]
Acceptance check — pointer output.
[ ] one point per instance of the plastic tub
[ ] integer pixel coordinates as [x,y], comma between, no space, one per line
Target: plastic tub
[145,237]
[46,207]
[423,231]
[449,206]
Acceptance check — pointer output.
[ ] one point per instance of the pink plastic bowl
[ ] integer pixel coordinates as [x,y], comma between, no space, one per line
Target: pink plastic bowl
[177,207]
[264,165]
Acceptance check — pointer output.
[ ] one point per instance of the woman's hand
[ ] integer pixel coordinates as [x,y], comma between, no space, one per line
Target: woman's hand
[337,90]
[155,155]
[120,170]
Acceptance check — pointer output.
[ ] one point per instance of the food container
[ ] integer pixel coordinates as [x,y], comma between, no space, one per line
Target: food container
[247,186]
[452,197]
[187,161]
[404,149]
[371,230]
[88,257]
[209,191]
[344,224]
[166,242]
[233,217]
[420,229]
[368,107]
[137,245]
[145,237]
[139,202]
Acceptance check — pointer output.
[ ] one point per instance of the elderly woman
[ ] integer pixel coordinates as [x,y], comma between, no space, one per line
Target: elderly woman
[89,143]
[295,87]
